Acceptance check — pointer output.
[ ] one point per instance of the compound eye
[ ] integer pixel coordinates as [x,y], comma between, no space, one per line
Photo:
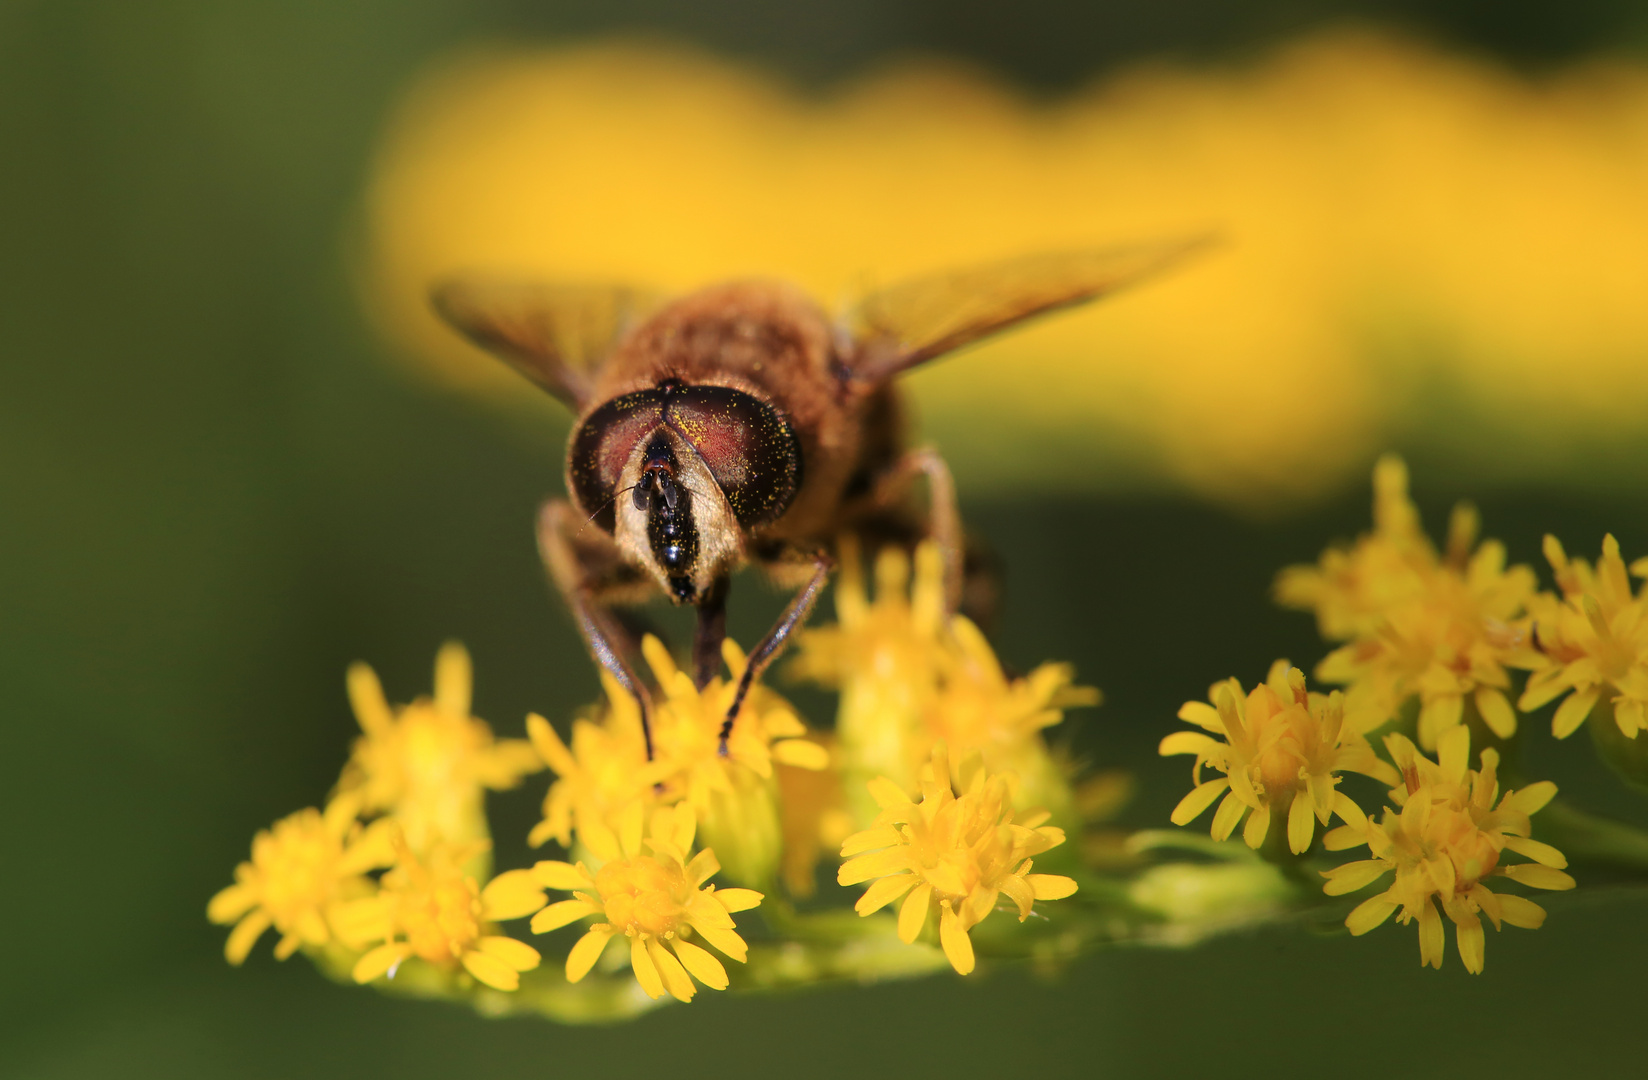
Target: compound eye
[748,446]
[601,447]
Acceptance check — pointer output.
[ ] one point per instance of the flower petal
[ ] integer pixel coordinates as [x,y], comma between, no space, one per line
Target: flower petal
[646,972]
[1496,711]
[702,964]
[674,976]
[1050,886]
[1301,824]
[1520,911]
[517,954]
[553,874]
[1572,713]
[1536,876]
[875,864]
[561,914]
[513,894]
[958,947]
[586,951]
[245,935]
[882,892]
[724,939]
[801,754]
[492,971]
[1369,914]
[738,899]
[1544,854]
[380,961]
[913,915]
[1354,875]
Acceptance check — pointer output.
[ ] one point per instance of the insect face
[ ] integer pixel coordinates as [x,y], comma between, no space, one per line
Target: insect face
[701,465]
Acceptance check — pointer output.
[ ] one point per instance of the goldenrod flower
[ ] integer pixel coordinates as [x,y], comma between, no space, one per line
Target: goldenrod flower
[300,870]
[428,907]
[1442,628]
[813,818]
[427,763]
[1283,752]
[1595,641]
[958,850]
[734,794]
[602,772]
[1447,839]
[909,677]
[652,893]
[882,657]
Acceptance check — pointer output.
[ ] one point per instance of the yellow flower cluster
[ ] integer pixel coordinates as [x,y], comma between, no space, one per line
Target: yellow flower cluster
[1448,835]
[958,849]
[419,772]
[1442,628]
[1594,641]
[909,677]
[605,772]
[1282,754]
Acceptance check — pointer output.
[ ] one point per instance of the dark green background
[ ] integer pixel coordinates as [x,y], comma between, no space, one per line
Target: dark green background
[213,495]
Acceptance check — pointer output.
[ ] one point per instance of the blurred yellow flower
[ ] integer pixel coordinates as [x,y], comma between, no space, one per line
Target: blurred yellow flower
[1443,628]
[300,870]
[1447,839]
[1283,752]
[426,764]
[958,850]
[654,899]
[1594,640]
[1399,219]
[428,907]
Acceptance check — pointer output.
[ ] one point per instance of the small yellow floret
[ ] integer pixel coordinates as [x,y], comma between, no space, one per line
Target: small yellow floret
[652,893]
[1595,641]
[958,850]
[428,907]
[1443,628]
[1282,754]
[1446,841]
[300,870]
[600,774]
[426,764]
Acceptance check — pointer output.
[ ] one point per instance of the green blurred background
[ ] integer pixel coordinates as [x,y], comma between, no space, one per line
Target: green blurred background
[214,494]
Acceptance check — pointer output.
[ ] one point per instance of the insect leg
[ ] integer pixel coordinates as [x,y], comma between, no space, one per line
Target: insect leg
[768,648]
[709,632]
[943,515]
[582,571]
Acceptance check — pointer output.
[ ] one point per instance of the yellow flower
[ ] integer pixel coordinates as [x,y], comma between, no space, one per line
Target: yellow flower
[299,872]
[427,763]
[1282,754]
[734,794]
[1350,588]
[428,907]
[908,678]
[602,772]
[1595,641]
[958,849]
[1447,839]
[1442,628]
[650,892]
[883,658]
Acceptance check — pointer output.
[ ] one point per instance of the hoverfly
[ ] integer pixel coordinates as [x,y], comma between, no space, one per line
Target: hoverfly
[740,424]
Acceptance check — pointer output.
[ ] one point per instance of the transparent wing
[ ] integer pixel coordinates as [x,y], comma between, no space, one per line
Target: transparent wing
[555,335]
[911,322]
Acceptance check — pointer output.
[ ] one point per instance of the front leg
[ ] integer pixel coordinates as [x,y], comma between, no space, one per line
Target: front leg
[768,648]
[943,515]
[588,570]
